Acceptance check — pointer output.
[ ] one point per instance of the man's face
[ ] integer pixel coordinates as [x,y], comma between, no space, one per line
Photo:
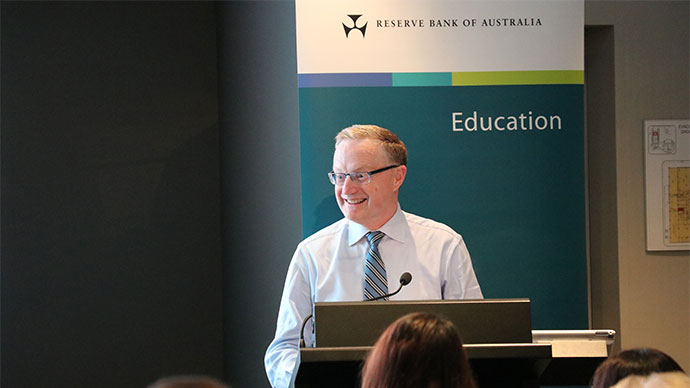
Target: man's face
[370,204]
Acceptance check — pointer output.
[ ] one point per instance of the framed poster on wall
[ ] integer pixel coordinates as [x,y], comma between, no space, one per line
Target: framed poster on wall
[667,184]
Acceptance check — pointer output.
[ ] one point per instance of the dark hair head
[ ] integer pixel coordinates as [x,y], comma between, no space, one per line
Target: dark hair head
[640,362]
[418,350]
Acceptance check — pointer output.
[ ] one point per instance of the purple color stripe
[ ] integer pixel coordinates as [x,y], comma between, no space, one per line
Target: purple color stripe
[344,80]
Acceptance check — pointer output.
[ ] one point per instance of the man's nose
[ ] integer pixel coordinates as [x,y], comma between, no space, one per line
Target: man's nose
[348,184]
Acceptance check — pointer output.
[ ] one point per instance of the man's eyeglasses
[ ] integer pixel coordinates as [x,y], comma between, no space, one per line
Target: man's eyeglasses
[338,178]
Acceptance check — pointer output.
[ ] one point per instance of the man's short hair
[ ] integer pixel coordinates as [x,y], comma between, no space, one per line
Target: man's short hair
[394,147]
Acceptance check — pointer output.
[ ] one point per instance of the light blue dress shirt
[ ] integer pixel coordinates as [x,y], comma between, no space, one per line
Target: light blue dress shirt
[328,266]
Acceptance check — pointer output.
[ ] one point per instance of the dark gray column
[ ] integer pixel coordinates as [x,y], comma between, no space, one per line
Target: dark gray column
[260,174]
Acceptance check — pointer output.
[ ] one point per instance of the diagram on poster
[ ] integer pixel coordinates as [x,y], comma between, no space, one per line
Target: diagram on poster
[667,168]
[676,202]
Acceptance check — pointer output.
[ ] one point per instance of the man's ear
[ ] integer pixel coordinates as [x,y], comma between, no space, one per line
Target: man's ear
[400,173]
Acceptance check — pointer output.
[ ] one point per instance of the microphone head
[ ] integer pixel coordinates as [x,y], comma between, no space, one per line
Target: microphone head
[405,278]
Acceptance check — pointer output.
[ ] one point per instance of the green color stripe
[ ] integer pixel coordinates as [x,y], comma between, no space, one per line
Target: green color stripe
[422,79]
[547,77]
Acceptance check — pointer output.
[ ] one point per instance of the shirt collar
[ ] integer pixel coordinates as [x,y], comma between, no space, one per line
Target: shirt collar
[395,228]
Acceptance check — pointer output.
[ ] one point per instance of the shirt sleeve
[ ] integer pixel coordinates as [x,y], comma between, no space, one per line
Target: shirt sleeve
[460,280]
[282,356]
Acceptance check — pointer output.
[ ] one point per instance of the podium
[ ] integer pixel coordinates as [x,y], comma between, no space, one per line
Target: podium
[535,358]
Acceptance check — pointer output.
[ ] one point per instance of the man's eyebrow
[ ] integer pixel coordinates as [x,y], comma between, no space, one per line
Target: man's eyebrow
[357,169]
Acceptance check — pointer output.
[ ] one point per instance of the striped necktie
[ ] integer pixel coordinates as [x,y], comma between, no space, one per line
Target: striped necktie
[375,283]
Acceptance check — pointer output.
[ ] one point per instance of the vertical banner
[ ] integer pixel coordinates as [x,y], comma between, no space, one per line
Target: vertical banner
[488,97]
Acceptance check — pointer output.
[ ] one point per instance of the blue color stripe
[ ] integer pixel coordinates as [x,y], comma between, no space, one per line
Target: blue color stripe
[344,80]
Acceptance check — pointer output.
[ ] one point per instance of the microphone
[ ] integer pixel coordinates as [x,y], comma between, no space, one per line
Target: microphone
[405,279]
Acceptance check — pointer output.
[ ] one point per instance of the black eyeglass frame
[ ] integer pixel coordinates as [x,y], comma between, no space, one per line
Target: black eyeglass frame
[332,175]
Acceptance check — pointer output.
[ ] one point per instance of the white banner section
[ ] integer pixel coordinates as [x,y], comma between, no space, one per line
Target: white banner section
[393,36]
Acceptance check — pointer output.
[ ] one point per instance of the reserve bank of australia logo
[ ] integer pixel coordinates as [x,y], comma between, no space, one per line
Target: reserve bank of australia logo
[362,29]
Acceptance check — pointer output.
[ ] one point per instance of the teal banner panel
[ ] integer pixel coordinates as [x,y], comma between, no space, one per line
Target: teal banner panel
[502,165]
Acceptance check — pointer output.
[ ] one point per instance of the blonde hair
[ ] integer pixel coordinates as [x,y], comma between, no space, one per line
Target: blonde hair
[656,380]
[636,361]
[392,145]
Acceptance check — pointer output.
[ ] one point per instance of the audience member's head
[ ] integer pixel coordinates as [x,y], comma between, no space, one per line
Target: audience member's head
[637,362]
[656,380]
[188,381]
[419,350]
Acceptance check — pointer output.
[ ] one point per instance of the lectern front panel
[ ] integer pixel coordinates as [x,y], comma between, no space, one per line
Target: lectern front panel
[478,321]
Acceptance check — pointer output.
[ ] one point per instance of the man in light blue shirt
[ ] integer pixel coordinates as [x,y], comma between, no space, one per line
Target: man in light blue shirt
[369,167]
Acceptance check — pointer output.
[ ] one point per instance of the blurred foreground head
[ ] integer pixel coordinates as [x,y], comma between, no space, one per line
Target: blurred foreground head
[656,380]
[633,362]
[419,350]
[188,381]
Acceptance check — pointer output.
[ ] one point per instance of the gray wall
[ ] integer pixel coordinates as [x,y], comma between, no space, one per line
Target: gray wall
[639,51]
[111,257]
[144,231]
